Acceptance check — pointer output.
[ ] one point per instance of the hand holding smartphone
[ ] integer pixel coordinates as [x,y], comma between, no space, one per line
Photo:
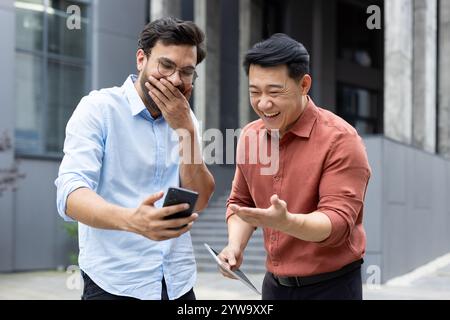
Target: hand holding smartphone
[176,195]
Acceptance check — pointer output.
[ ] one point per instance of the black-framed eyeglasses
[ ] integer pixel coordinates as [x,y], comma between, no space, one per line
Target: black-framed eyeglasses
[167,68]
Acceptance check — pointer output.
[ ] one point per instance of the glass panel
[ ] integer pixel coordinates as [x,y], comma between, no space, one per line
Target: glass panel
[358,107]
[357,102]
[29,24]
[41,116]
[349,100]
[66,85]
[355,42]
[62,40]
[29,103]
[364,107]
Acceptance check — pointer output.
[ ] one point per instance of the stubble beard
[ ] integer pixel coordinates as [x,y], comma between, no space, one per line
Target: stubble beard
[152,107]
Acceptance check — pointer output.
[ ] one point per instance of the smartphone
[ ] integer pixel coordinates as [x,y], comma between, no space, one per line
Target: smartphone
[176,195]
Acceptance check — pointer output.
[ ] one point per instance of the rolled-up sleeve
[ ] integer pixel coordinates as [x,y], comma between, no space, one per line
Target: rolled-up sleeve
[83,153]
[240,194]
[343,186]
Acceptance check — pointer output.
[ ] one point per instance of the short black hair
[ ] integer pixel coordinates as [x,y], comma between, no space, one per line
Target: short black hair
[277,50]
[172,31]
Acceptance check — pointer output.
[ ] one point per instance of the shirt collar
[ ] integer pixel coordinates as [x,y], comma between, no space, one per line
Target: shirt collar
[135,101]
[303,126]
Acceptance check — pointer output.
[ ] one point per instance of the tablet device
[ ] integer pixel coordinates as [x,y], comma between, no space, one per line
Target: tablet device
[238,274]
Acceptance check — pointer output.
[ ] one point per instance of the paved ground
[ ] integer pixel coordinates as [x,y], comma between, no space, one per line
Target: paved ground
[434,284]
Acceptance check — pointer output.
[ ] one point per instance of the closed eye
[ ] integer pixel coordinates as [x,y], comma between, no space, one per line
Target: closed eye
[187,72]
[166,64]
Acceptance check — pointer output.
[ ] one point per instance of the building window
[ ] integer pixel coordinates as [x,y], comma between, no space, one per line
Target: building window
[356,43]
[52,72]
[359,107]
[359,67]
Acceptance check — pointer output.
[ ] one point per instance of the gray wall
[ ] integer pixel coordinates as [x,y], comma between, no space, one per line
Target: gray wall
[7,62]
[373,205]
[407,215]
[40,241]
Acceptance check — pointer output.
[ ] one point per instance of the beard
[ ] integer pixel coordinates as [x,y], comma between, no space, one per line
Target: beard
[148,101]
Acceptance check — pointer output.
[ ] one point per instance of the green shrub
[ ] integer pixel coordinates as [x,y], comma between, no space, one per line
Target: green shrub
[72,230]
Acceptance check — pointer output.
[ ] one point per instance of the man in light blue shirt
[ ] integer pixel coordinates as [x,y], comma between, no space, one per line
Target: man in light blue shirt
[124,147]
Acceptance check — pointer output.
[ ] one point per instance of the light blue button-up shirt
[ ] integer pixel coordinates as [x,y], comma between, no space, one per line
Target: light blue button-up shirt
[114,147]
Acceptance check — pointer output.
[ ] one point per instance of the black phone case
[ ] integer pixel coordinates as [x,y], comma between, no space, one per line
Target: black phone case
[177,196]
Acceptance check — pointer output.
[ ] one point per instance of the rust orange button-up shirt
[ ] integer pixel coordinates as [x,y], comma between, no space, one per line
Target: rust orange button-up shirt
[322,167]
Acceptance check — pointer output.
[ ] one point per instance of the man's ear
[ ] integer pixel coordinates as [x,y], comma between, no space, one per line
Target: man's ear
[305,84]
[140,59]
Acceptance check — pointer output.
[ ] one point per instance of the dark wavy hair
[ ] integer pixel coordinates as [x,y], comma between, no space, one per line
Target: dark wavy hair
[172,31]
[277,50]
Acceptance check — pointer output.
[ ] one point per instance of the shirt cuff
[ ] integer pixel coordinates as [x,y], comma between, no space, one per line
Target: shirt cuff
[228,214]
[62,201]
[339,229]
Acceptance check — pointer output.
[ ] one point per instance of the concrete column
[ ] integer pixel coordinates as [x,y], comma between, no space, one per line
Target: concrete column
[7,121]
[444,79]
[250,32]
[398,70]
[114,40]
[164,8]
[207,86]
[244,45]
[424,75]
[245,29]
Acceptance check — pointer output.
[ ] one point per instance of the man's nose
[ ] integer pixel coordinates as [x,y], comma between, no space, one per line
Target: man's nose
[264,103]
[175,78]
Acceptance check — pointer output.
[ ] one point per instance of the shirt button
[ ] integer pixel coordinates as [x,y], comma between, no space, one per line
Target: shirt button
[276,178]
[273,238]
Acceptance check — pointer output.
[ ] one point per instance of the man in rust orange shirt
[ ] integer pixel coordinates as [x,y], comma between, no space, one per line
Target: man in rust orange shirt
[311,205]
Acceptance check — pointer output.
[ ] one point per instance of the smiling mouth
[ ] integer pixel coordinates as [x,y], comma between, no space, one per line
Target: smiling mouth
[271,115]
